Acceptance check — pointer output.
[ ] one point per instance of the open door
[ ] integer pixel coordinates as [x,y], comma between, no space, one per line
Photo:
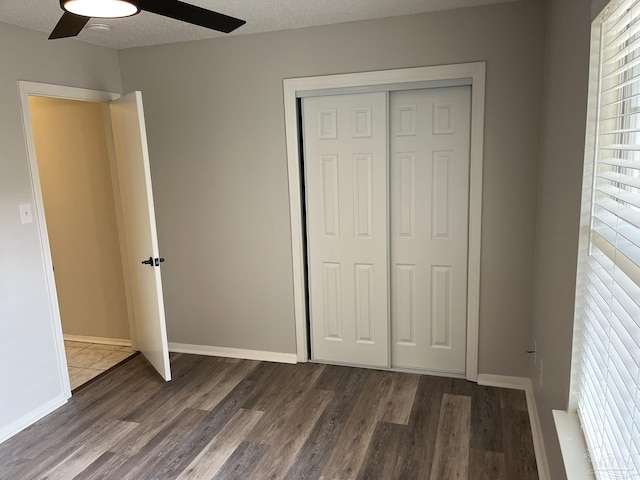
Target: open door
[139,223]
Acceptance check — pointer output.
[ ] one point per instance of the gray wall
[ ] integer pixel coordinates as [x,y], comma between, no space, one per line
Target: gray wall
[215,121]
[597,6]
[29,371]
[559,192]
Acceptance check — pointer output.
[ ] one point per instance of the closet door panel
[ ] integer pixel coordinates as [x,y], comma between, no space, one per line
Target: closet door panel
[430,135]
[345,152]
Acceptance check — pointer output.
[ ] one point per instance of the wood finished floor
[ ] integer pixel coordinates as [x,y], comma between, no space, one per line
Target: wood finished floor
[238,419]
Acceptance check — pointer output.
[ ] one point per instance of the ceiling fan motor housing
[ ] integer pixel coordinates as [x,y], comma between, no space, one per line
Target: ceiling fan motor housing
[101,8]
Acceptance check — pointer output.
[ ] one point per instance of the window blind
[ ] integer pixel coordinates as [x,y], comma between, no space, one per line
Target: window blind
[608,286]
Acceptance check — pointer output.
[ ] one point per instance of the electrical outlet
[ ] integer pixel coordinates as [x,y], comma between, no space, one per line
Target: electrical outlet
[540,371]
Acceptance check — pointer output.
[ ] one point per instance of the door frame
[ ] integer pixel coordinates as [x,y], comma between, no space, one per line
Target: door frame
[444,75]
[28,89]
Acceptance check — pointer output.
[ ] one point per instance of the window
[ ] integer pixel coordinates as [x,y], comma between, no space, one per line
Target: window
[606,374]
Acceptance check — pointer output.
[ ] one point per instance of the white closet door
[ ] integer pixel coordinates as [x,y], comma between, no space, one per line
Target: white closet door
[430,135]
[345,143]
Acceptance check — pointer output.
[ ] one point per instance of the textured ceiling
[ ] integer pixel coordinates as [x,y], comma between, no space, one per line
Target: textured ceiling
[261,16]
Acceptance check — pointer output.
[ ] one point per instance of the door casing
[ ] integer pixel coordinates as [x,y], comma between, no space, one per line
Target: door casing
[28,89]
[445,75]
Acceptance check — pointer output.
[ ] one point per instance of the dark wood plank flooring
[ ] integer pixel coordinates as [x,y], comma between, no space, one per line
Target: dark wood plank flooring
[238,419]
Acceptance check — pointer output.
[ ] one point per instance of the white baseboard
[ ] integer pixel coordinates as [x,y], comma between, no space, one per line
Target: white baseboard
[122,342]
[502,381]
[233,353]
[32,417]
[523,383]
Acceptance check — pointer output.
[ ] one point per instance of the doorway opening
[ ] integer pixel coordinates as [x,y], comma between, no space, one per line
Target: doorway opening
[130,258]
[77,180]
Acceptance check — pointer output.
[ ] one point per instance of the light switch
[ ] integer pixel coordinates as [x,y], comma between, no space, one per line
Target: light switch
[25,213]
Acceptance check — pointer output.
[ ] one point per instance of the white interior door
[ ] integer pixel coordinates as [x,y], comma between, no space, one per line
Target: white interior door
[141,243]
[430,141]
[345,142]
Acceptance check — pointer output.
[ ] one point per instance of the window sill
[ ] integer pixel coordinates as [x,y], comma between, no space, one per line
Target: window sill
[573,446]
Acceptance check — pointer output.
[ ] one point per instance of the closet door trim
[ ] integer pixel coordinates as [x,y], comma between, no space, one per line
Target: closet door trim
[295,88]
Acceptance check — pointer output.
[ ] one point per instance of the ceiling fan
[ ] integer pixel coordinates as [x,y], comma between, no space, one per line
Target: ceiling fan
[78,12]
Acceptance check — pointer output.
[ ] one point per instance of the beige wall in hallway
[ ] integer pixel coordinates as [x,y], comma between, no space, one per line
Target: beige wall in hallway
[75,178]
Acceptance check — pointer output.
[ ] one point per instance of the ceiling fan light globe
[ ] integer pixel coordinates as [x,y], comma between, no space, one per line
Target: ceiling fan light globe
[101,8]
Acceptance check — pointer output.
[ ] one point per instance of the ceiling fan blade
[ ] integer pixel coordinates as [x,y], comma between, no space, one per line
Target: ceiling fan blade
[192,14]
[69,25]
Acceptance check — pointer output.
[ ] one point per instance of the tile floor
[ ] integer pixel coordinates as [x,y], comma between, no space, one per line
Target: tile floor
[88,360]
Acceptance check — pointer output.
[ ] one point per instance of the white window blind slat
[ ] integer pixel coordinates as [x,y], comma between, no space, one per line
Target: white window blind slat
[623,68]
[615,87]
[600,311]
[617,12]
[616,429]
[594,393]
[627,311]
[629,115]
[635,455]
[625,212]
[622,147]
[620,54]
[620,374]
[621,178]
[626,295]
[625,347]
[614,42]
[597,279]
[605,132]
[607,313]
[619,251]
[621,27]
[619,163]
[619,195]
[619,101]
[615,223]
